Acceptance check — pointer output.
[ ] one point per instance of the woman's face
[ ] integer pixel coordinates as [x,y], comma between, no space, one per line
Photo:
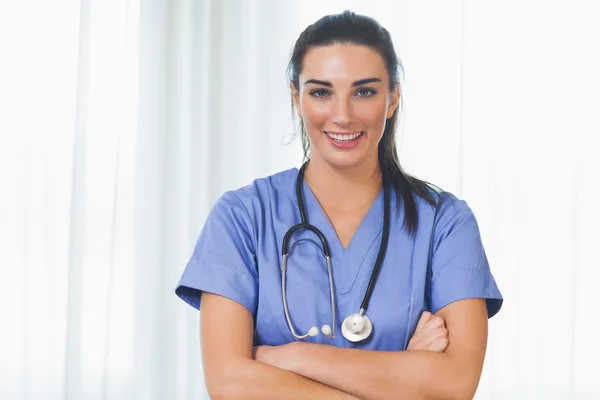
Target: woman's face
[344,100]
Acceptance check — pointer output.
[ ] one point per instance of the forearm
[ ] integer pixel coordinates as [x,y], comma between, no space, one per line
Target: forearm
[248,379]
[378,375]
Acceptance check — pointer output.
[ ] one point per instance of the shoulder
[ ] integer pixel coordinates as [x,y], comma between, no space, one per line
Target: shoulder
[447,205]
[261,189]
[259,195]
[454,224]
[449,213]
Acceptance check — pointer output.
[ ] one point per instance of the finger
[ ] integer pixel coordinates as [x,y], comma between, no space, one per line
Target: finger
[434,334]
[425,318]
[434,322]
[421,340]
[440,345]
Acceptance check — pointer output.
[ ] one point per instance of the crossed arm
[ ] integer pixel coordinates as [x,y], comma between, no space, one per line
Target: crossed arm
[305,370]
[229,368]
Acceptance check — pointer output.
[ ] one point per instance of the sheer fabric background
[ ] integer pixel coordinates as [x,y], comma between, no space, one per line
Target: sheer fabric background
[122,121]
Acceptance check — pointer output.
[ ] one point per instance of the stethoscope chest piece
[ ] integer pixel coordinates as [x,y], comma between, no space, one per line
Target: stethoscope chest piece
[357,327]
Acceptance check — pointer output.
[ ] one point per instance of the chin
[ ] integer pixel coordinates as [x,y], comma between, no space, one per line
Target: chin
[346,161]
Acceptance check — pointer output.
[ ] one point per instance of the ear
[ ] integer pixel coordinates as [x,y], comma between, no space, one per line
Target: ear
[394,98]
[296,99]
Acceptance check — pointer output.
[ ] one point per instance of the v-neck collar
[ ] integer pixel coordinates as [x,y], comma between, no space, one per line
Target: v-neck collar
[363,246]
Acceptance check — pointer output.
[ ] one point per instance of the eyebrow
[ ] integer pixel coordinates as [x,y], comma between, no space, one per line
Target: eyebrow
[355,83]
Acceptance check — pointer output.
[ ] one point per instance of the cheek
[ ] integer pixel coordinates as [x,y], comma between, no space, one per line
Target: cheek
[372,114]
[315,113]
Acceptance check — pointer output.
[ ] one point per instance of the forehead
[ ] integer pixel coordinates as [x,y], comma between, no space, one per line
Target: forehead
[341,62]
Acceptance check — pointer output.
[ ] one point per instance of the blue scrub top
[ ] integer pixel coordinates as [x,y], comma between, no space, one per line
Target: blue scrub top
[238,255]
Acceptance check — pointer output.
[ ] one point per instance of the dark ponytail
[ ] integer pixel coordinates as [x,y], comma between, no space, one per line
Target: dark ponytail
[351,28]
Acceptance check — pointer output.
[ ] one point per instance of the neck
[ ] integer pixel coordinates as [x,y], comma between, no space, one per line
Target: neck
[346,187]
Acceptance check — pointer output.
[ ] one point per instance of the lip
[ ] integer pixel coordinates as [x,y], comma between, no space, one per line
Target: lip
[346,144]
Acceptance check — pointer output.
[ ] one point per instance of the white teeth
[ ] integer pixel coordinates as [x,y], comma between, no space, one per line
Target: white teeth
[343,138]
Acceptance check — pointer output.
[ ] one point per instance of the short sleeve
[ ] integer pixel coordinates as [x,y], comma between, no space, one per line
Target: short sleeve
[223,259]
[459,267]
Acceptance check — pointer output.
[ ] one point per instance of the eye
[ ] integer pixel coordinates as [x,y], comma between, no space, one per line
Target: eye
[365,92]
[319,93]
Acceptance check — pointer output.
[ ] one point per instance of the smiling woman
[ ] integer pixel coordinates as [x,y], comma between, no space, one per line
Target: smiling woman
[398,267]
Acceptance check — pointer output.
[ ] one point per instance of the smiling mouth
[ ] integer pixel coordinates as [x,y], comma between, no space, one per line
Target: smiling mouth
[344,137]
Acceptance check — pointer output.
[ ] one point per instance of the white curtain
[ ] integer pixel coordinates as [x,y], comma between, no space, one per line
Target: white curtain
[122,121]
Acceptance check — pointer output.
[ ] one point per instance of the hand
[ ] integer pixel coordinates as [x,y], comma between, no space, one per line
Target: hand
[431,334]
[281,357]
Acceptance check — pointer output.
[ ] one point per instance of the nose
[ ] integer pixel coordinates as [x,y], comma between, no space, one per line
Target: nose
[342,113]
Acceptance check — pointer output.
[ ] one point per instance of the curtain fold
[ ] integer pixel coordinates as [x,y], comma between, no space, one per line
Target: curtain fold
[121,122]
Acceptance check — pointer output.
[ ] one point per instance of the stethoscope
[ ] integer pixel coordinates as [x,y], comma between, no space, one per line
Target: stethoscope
[356,327]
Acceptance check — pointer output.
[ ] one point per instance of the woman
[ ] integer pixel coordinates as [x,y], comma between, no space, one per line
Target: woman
[422,330]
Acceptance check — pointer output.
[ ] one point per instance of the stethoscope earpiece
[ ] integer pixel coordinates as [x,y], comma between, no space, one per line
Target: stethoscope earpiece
[313,331]
[326,329]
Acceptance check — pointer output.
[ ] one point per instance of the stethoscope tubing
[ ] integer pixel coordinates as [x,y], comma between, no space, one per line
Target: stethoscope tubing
[285,303]
[327,254]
